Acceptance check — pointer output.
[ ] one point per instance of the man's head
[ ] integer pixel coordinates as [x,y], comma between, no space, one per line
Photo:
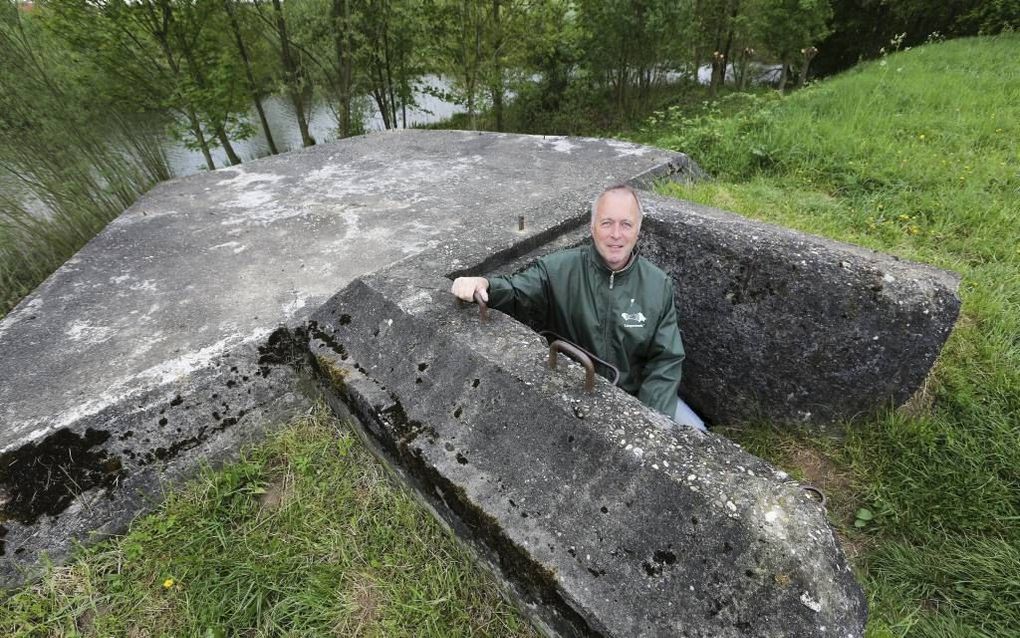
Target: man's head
[615,224]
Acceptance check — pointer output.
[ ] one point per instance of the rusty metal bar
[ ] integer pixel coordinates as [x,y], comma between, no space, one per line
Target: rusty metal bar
[483,308]
[555,337]
[577,355]
[815,494]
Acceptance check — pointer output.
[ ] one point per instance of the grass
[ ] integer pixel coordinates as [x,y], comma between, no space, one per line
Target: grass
[915,154]
[306,536]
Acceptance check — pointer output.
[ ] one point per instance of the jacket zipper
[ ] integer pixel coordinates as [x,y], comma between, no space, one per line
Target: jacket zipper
[612,275]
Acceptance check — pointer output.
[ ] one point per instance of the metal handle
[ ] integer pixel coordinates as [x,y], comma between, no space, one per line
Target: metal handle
[483,308]
[555,337]
[811,489]
[577,355]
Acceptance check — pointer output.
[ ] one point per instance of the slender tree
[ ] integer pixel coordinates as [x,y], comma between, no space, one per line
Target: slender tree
[253,86]
[293,75]
[785,27]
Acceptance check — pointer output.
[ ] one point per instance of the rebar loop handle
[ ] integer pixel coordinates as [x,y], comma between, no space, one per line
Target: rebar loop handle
[811,489]
[483,308]
[577,355]
[555,337]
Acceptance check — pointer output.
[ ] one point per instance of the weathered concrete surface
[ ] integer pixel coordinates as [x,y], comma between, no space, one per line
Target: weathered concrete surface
[606,519]
[145,355]
[788,327]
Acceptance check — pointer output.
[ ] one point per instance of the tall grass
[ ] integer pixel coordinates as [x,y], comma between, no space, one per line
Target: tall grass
[916,154]
[306,536]
[71,163]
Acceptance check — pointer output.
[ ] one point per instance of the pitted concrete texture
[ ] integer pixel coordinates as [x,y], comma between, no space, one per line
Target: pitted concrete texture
[148,353]
[605,518]
[789,327]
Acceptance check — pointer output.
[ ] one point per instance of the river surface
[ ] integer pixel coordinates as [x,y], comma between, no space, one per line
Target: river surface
[322,125]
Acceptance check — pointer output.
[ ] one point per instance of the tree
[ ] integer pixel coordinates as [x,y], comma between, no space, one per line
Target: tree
[785,27]
[160,56]
[230,8]
[294,76]
[631,43]
[462,26]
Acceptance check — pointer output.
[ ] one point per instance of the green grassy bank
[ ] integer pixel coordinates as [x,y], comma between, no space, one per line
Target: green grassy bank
[306,536]
[917,155]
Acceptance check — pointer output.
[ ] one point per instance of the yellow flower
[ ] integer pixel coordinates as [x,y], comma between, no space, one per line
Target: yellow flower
[168,583]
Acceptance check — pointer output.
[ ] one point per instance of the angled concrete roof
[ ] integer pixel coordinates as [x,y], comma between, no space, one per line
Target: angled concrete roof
[205,263]
[140,359]
[223,303]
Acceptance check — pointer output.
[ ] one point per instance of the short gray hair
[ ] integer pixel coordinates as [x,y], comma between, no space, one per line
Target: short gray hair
[627,188]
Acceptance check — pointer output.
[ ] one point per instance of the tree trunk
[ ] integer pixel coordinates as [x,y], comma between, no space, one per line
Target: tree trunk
[387,67]
[162,35]
[196,130]
[221,135]
[809,54]
[291,75]
[718,73]
[340,12]
[199,79]
[252,85]
[783,75]
[497,63]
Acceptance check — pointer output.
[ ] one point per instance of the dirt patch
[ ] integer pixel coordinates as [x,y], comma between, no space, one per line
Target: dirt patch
[85,621]
[836,483]
[277,494]
[364,601]
[921,402]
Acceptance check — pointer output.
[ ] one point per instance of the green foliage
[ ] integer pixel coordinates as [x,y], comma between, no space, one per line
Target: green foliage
[305,536]
[612,29]
[913,154]
[861,28]
[63,175]
[787,26]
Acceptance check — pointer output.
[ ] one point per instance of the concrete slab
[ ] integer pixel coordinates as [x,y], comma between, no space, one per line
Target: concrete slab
[206,314]
[787,327]
[146,344]
[604,517]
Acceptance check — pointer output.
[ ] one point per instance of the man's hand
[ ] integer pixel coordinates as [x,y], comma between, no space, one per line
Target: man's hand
[466,287]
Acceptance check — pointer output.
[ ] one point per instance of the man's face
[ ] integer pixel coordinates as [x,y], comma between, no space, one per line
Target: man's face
[615,228]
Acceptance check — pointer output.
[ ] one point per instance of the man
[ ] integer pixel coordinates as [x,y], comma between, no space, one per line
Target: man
[605,298]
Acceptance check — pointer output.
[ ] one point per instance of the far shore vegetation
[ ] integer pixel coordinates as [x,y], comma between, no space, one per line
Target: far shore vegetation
[912,152]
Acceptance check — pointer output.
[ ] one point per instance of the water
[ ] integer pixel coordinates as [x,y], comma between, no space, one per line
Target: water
[322,125]
[283,124]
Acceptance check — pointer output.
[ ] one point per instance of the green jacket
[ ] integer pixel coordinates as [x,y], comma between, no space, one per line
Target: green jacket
[626,317]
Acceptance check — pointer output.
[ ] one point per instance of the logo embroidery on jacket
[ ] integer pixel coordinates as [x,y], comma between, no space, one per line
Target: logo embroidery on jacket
[633,318]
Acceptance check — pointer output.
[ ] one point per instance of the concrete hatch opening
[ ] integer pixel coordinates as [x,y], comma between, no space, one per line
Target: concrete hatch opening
[778,326]
[605,518]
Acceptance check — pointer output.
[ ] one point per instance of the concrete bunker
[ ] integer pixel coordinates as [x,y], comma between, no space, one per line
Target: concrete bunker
[604,520]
